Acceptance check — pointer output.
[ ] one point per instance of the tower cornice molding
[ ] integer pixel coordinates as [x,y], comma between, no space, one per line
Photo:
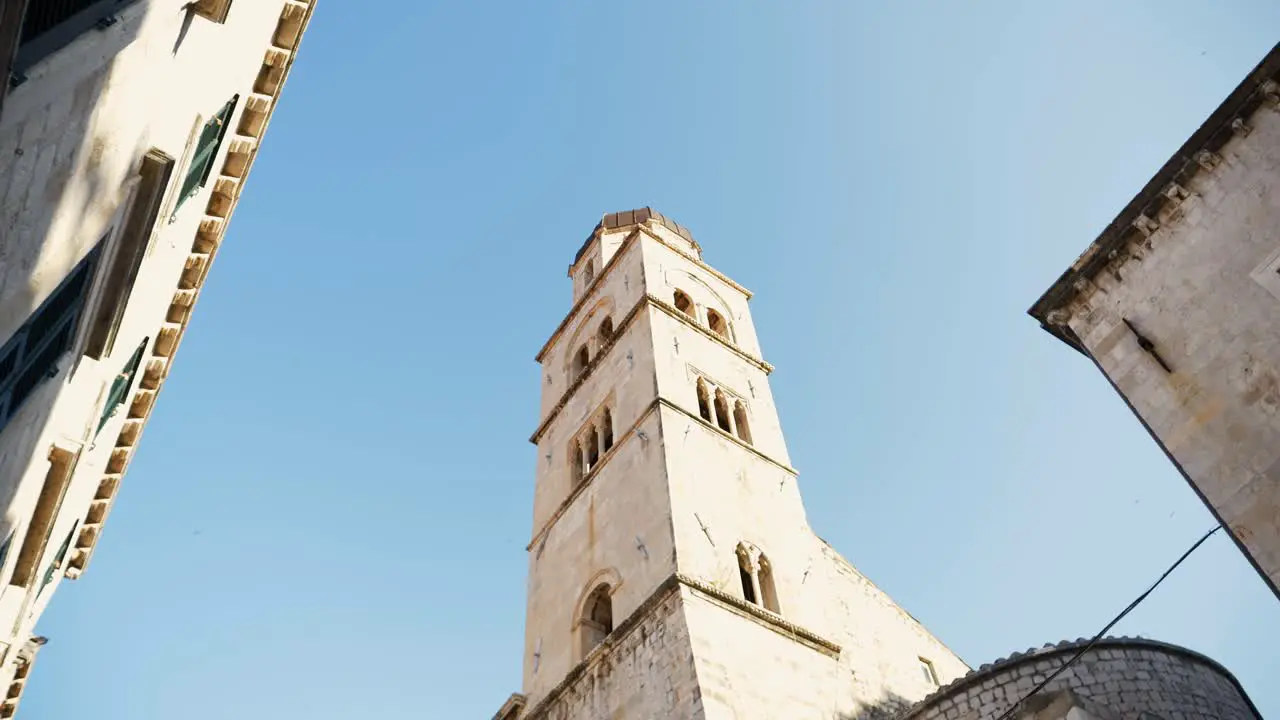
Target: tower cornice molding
[630,317]
[658,402]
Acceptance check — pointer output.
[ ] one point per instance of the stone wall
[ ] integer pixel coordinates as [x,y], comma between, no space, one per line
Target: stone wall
[1179,304]
[645,669]
[1127,676]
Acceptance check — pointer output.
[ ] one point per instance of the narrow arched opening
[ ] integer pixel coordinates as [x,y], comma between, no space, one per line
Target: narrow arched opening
[575,462]
[606,428]
[768,591]
[589,274]
[684,304]
[722,412]
[597,619]
[606,330]
[704,401]
[717,324]
[593,449]
[745,576]
[740,422]
[580,361]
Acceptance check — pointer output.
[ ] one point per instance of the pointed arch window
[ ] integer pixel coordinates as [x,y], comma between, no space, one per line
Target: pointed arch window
[575,462]
[756,575]
[722,412]
[740,422]
[597,619]
[593,449]
[717,323]
[704,400]
[606,330]
[606,429]
[580,361]
[684,304]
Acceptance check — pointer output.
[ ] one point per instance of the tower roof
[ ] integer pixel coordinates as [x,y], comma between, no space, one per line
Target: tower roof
[613,221]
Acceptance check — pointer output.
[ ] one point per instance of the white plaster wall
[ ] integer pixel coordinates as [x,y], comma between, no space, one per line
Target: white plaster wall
[71,137]
[1192,295]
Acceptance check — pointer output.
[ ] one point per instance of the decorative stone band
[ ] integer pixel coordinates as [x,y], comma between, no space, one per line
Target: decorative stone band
[613,262]
[646,300]
[626,437]
[1136,223]
[243,146]
[601,654]
[1111,669]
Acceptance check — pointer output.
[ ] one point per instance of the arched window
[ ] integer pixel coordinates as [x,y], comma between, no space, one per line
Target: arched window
[580,361]
[597,619]
[722,411]
[764,576]
[704,401]
[756,576]
[606,421]
[717,324]
[593,449]
[589,274]
[684,304]
[575,462]
[746,576]
[740,422]
[606,330]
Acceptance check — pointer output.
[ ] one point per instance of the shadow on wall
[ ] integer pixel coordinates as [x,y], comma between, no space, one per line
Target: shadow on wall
[887,708]
[54,185]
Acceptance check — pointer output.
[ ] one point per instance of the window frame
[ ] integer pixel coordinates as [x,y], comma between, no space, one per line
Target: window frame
[204,153]
[17,359]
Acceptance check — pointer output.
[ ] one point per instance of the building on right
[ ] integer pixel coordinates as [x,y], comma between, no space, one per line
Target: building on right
[1177,302]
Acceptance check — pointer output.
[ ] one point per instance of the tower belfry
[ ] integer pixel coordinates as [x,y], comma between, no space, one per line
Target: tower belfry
[672,570]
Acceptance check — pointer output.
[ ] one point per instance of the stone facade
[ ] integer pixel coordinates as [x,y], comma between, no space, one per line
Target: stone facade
[124,148]
[1121,678]
[663,484]
[1178,304]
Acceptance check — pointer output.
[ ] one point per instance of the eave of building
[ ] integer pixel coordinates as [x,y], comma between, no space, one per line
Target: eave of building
[1134,223]
[1067,648]
[613,262]
[26,660]
[639,216]
[511,708]
[242,150]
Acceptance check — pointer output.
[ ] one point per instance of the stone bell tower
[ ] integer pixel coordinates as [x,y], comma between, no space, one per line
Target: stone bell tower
[672,571]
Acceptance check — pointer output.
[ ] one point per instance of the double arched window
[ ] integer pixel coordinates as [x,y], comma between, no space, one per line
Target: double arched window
[756,576]
[715,321]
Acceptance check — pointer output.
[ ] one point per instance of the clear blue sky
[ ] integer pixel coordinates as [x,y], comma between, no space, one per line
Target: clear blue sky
[328,515]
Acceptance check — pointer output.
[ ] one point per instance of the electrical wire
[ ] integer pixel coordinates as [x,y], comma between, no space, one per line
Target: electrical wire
[1088,646]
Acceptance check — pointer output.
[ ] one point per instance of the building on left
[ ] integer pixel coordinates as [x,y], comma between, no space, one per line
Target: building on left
[127,129]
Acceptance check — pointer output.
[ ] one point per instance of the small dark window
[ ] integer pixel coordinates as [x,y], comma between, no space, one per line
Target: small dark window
[597,620]
[684,304]
[704,401]
[575,462]
[206,152]
[927,670]
[607,428]
[589,274]
[740,421]
[722,412]
[744,574]
[580,362]
[593,450]
[717,324]
[31,356]
[606,330]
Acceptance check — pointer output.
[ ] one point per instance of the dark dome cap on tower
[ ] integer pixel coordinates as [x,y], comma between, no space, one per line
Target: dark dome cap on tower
[613,221]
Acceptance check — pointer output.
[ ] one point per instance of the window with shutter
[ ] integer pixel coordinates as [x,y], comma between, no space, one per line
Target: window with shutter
[31,356]
[206,151]
[58,559]
[120,386]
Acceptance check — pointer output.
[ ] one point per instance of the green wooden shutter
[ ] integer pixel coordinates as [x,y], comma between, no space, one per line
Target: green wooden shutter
[120,386]
[207,150]
[57,560]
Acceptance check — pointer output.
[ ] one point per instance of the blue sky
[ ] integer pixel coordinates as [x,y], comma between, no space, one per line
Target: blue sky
[328,515]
